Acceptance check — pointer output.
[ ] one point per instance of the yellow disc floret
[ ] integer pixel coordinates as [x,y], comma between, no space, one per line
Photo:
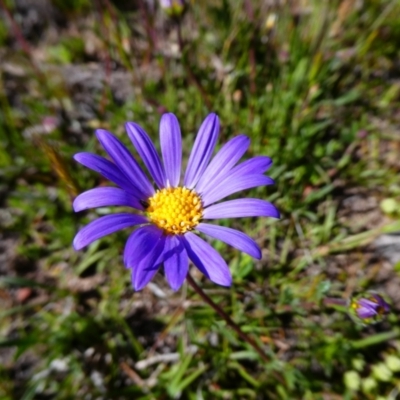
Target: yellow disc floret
[175,210]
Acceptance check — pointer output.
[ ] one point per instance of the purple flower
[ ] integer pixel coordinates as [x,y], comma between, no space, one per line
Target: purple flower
[164,232]
[371,307]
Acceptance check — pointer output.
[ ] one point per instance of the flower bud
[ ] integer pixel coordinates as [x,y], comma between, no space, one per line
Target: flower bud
[369,307]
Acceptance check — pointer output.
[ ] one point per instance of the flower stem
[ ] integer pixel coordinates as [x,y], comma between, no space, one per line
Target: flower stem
[332,301]
[227,318]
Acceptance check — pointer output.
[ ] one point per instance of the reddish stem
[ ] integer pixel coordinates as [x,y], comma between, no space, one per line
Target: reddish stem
[227,318]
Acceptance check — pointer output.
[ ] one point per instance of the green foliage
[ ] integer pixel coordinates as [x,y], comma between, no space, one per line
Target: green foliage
[314,86]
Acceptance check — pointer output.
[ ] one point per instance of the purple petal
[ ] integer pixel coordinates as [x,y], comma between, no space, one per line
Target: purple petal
[171,147]
[367,303]
[105,197]
[207,259]
[223,161]
[125,162]
[103,226]
[142,250]
[367,309]
[176,262]
[233,237]
[108,170]
[140,244]
[381,302]
[366,313]
[256,165]
[241,208]
[233,185]
[202,150]
[147,152]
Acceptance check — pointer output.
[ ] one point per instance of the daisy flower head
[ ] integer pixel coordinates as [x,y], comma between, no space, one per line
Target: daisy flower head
[167,212]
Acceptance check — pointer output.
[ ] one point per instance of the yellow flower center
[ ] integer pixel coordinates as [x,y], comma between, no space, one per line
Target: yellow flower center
[175,210]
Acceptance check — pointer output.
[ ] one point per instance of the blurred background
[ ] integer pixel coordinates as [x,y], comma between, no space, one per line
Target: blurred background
[315,84]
